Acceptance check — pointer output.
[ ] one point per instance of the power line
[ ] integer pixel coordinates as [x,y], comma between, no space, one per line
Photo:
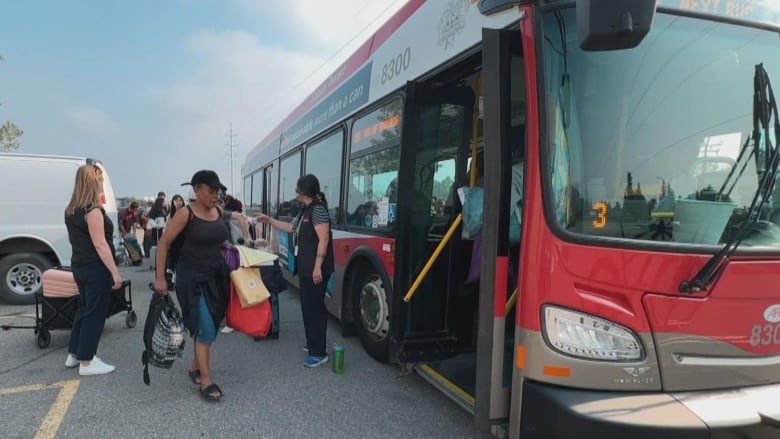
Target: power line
[324,63]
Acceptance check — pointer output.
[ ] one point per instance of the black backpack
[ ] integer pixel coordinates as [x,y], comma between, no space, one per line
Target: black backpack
[164,334]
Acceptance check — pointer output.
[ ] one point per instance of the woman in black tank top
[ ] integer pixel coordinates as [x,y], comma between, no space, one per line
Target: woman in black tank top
[202,286]
[90,233]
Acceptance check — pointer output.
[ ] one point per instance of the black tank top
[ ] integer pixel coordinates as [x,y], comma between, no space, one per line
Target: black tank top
[202,240]
[78,234]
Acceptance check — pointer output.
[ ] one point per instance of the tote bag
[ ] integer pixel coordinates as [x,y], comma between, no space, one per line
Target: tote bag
[255,320]
[249,286]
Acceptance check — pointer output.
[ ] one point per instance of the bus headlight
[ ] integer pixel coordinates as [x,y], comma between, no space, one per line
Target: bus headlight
[585,336]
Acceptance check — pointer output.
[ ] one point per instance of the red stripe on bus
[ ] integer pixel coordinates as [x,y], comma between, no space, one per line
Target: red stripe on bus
[357,59]
[525,317]
[392,25]
[502,274]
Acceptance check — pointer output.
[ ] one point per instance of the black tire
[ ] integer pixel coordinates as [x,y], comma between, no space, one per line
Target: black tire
[131,319]
[44,338]
[371,303]
[21,275]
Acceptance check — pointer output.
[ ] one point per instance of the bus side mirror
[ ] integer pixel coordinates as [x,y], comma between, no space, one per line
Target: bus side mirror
[613,24]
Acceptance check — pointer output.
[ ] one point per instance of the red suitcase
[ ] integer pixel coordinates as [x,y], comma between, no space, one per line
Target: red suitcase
[59,282]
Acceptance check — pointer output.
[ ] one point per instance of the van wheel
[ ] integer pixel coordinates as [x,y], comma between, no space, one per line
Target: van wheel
[21,275]
[372,315]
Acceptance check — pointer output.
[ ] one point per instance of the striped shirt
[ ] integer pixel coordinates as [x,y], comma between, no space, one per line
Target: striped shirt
[319,215]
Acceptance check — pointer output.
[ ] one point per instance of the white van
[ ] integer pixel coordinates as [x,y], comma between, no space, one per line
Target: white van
[33,237]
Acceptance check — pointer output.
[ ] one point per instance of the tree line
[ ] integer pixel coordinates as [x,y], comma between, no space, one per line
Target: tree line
[10,134]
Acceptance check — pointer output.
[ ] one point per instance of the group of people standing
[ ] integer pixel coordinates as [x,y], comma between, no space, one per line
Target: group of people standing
[132,218]
[202,282]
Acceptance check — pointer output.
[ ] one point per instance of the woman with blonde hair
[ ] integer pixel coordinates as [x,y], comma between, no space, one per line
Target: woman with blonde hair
[90,233]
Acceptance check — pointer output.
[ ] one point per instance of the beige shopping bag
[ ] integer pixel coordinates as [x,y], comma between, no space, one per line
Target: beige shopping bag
[249,286]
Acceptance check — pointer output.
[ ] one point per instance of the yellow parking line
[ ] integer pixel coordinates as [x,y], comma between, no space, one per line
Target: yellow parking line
[56,414]
[51,423]
[31,388]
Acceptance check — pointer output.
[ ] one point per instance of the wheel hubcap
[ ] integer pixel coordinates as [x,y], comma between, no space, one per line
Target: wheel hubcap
[24,278]
[373,308]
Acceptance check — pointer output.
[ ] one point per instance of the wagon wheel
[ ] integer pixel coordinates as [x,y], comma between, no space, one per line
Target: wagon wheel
[44,338]
[131,319]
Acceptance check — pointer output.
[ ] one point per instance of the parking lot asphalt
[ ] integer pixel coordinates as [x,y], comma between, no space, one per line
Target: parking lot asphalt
[268,392]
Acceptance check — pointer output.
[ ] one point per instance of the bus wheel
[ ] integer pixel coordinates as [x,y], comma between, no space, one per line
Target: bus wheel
[372,316]
[21,275]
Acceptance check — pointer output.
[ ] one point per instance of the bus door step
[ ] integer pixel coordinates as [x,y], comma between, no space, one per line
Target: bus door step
[410,351]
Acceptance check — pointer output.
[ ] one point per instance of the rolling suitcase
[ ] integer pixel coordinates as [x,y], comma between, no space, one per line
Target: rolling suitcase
[59,282]
[134,250]
[274,281]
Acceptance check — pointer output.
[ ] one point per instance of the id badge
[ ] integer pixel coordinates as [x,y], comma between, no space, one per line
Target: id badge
[295,252]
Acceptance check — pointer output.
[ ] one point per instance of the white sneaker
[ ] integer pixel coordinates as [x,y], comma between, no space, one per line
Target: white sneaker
[71,361]
[226,330]
[96,367]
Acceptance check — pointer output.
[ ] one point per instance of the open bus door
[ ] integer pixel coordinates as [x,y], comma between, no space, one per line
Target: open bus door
[504,72]
[460,335]
[437,130]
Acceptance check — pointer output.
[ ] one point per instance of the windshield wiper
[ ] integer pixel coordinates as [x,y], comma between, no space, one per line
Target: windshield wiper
[764,107]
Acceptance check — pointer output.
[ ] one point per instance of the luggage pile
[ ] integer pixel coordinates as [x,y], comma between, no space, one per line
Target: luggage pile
[255,282]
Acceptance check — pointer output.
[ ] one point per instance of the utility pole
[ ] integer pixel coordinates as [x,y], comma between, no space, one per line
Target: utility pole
[231,152]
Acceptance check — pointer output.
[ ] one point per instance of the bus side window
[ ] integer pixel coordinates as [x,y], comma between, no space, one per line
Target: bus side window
[373,181]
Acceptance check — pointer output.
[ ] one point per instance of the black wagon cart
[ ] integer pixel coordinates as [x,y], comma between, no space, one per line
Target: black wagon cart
[56,305]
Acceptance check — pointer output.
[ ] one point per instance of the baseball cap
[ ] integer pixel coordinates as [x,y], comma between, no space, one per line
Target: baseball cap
[207,177]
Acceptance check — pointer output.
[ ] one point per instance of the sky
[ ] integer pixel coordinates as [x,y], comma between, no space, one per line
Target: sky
[152,88]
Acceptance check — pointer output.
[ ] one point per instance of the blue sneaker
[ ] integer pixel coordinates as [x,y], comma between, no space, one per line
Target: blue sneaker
[314,361]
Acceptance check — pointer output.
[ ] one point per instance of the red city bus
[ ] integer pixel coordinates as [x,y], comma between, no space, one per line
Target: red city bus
[561,213]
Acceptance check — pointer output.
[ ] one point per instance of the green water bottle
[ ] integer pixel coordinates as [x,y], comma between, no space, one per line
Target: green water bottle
[338,359]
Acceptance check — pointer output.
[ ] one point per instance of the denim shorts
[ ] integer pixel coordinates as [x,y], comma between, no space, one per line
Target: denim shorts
[207,333]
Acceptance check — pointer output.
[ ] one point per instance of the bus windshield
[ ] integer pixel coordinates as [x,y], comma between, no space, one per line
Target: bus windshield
[654,143]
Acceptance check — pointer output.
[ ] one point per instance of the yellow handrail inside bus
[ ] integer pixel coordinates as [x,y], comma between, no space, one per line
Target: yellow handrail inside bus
[511,302]
[459,218]
[433,257]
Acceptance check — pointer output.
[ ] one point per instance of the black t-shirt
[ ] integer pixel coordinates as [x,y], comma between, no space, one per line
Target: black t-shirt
[84,251]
